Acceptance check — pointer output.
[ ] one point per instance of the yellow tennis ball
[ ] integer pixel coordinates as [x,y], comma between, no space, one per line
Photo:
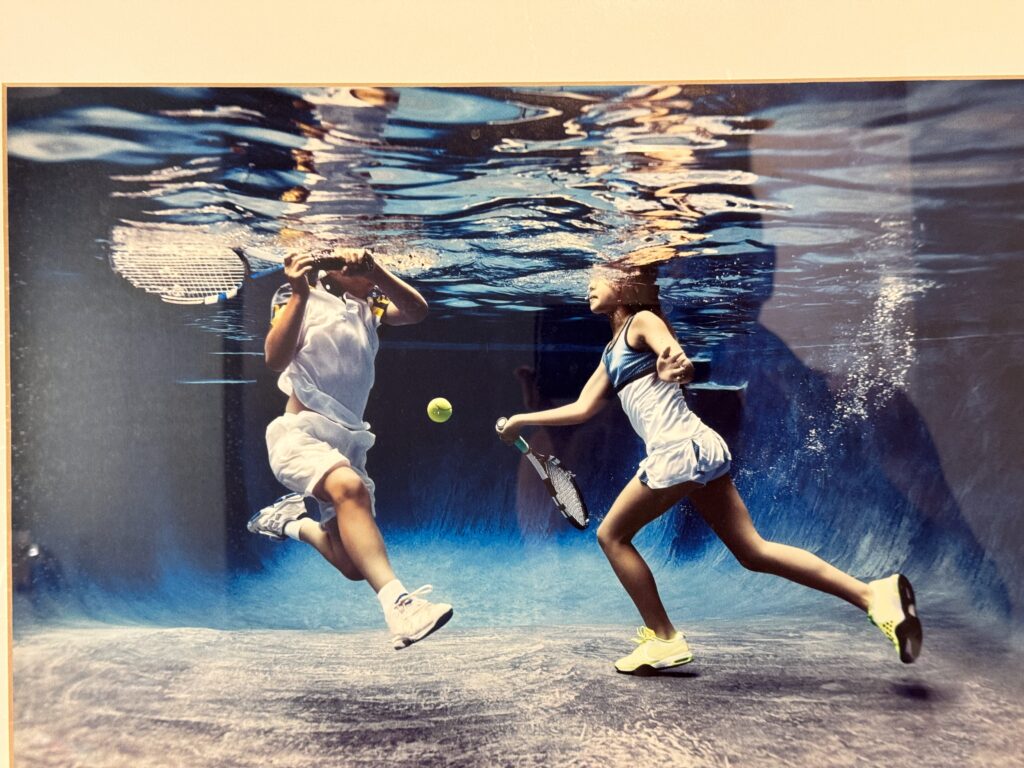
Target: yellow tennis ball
[439,410]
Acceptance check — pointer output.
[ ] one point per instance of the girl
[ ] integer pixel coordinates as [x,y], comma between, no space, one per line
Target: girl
[645,365]
[323,340]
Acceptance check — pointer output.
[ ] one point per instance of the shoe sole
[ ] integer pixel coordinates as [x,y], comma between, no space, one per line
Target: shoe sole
[443,619]
[909,634]
[647,670]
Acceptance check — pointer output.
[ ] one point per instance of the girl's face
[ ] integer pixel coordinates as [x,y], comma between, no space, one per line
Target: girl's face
[602,295]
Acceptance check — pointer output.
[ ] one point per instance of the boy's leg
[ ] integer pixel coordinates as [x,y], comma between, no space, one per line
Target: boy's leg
[721,506]
[353,537]
[636,506]
[329,546]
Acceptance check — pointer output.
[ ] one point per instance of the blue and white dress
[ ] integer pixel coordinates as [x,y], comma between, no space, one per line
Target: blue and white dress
[680,447]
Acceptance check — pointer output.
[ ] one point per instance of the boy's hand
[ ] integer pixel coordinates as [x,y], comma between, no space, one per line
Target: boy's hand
[296,269]
[674,368]
[351,261]
[363,263]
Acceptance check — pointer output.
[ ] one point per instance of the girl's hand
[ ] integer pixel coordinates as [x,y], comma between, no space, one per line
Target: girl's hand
[296,269]
[509,431]
[674,368]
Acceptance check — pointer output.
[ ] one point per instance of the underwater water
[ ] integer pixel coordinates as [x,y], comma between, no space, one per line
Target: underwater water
[843,259]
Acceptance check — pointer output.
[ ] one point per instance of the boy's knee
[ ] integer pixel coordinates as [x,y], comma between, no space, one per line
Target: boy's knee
[343,484]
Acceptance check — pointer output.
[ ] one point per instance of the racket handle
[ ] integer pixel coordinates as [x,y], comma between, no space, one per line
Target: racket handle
[520,443]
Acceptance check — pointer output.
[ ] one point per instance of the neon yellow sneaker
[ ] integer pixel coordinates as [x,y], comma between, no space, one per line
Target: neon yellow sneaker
[892,610]
[652,653]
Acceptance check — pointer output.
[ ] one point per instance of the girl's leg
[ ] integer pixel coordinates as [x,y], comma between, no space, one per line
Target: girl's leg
[720,504]
[354,544]
[635,507]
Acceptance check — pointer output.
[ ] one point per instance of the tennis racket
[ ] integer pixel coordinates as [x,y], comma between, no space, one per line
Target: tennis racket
[197,272]
[190,272]
[557,479]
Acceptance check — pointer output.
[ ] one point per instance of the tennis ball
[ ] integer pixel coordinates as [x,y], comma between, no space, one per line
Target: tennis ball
[439,410]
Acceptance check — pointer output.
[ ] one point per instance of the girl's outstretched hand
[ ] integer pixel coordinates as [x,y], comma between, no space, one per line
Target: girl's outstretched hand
[509,430]
[674,368]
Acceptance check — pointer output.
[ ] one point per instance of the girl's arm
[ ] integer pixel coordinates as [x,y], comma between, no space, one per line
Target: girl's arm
[591,400]
[673,365]
[283,337]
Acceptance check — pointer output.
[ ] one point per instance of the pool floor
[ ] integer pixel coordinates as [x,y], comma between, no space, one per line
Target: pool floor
[759,693]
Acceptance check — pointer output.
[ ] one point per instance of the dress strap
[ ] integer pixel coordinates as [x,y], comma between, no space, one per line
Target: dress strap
[621,334]
[625,334]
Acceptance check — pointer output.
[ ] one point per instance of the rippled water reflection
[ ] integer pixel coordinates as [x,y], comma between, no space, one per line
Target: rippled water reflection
[501,200]
[507,196]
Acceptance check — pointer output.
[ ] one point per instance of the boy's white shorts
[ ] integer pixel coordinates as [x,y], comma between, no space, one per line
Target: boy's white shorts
[305,446]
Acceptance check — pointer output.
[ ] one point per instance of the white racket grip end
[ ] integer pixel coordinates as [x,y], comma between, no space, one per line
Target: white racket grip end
[520,443]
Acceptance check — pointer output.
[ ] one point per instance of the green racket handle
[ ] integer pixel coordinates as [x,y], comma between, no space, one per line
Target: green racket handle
[521,444]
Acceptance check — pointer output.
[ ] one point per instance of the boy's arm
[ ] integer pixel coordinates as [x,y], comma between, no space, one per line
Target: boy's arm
[591,400]
[406,305]
[286,322]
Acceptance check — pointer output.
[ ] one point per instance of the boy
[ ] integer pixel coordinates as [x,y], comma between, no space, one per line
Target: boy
[323,340]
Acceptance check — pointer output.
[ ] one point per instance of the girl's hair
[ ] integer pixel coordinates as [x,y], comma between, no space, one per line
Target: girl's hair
[638,289]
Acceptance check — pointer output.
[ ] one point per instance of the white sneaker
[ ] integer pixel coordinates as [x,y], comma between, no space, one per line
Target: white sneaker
[270,521]
[412,618]
[892,609]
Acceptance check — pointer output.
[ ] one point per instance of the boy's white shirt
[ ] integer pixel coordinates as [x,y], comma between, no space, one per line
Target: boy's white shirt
[332,371]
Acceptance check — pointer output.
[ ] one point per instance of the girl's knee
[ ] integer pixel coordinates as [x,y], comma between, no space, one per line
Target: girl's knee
[609,538]
[755,557]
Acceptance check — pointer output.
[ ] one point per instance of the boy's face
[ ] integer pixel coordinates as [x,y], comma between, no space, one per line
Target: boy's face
[357,285]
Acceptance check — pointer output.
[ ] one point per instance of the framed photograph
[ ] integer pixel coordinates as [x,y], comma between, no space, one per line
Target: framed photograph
[517,423]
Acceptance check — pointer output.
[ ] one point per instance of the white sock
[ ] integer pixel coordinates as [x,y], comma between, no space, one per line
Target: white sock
[390,593]
[293,528]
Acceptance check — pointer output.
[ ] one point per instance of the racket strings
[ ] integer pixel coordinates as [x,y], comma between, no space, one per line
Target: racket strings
[181,278]
[181,266]
[567,494]
[193,264]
